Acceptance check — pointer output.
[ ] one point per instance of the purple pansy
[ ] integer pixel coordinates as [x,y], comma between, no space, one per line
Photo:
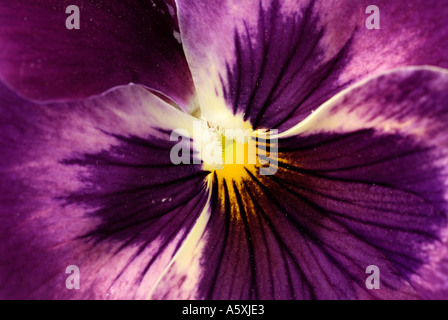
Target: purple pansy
[87,178]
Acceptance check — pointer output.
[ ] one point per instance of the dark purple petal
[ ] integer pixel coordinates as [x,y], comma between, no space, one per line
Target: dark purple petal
[275,61]
[117,43]
[361,182]
[91,184]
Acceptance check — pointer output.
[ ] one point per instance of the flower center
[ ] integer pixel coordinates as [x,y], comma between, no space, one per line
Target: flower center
[235,154]
[230,153]
[239,157]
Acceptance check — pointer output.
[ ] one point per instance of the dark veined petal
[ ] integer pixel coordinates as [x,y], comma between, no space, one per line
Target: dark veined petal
[362,182]
[117,43]
[91,184]
[274,61]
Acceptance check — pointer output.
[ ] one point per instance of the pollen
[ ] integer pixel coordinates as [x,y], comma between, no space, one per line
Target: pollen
[238,157]
[229,153]
[235,154]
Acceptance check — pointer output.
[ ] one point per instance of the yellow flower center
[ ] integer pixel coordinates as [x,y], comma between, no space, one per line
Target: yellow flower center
[238,157]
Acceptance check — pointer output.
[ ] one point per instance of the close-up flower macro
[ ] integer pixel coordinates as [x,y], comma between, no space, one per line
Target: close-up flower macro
[224,149]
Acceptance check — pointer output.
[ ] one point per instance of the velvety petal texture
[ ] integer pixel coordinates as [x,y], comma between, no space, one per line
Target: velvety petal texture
[91,184]
[87,177]
[361,182]
[118,42]
[273,62]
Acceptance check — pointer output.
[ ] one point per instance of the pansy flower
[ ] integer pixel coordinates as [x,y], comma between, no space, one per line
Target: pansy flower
[87,181]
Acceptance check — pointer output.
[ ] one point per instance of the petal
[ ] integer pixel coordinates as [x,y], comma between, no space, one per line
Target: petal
[274,61]
[362,182]
[117,43]
[91,184]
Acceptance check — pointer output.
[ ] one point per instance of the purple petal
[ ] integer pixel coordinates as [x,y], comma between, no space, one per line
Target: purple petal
[275,61]
[361,182]
[91,184]
[117,43]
